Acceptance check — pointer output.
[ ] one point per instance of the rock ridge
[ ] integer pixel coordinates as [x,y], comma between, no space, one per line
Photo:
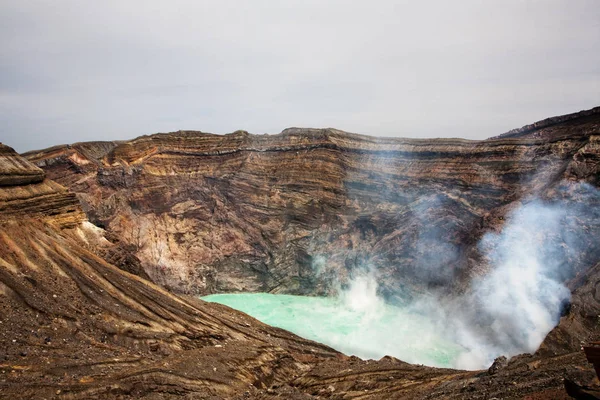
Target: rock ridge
[16,170]
[537,128]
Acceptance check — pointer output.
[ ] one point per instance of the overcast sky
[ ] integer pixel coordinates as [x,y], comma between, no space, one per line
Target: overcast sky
[102,70]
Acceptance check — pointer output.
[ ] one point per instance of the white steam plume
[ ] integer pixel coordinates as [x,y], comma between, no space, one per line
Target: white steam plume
[519,300]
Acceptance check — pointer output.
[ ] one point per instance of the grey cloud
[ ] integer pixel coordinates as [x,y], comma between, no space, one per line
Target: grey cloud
[73,71]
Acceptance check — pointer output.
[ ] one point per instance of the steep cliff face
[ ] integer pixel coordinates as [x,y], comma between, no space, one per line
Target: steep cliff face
[286,213]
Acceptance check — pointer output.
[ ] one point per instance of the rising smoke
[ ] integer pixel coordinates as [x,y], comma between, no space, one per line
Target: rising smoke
[519,300]
[512,307]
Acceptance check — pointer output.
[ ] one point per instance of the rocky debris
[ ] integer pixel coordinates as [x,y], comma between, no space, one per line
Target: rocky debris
[582,384]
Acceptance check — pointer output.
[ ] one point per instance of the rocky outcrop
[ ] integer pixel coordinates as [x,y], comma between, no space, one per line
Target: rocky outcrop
[16,170]
[26,193]
[546,127]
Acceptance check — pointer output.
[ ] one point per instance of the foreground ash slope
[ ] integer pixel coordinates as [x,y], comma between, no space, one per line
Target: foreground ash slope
[286,213]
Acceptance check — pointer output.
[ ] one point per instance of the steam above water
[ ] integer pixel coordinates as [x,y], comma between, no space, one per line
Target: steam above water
[514,306]
[369,329]
[506,311]
[522,297]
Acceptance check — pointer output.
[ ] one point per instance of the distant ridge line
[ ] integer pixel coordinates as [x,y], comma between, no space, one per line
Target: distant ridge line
[547,122]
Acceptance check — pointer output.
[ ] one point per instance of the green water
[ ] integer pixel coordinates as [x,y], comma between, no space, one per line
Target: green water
[364,327]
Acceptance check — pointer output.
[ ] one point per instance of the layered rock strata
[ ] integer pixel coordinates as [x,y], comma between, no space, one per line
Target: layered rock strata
[74,325]
[290,212]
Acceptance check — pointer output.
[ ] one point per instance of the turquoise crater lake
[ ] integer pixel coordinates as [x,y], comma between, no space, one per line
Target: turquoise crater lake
[365,327]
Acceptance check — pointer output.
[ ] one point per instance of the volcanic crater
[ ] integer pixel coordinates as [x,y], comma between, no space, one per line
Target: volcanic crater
[106,247]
